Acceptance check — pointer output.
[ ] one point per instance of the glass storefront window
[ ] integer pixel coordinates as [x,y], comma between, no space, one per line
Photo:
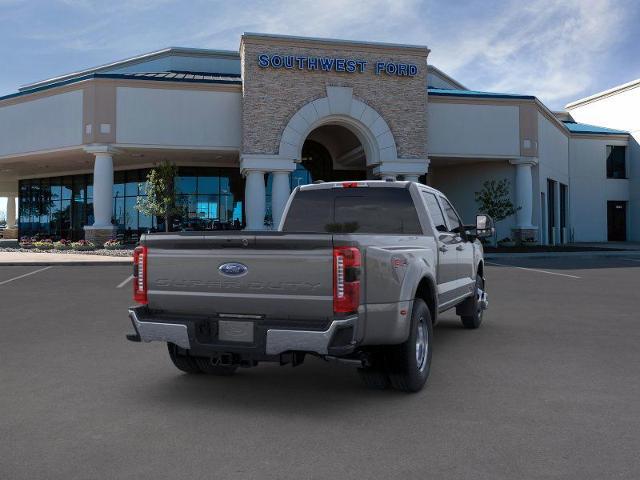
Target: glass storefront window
[60,207]
[118,184]
[208,185]
[67,189]
[131,214]
[186,184]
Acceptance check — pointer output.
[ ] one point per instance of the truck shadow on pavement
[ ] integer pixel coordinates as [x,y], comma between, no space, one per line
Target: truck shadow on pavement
[308,389]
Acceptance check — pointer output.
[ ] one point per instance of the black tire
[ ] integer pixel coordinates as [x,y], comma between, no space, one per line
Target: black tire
[475,320]
[210,369]
[408,371]
[375,376]
[182,362]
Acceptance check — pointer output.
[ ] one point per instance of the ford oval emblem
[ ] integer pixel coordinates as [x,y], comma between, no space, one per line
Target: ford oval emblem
[233,269]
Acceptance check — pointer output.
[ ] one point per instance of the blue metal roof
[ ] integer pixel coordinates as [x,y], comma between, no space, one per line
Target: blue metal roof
[188,77]
[575,127]
[444,92]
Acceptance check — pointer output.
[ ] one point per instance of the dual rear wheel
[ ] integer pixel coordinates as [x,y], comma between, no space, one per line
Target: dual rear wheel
[406,366]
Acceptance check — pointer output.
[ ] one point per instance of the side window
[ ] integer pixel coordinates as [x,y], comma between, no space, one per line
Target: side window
[435,211]
[452,216]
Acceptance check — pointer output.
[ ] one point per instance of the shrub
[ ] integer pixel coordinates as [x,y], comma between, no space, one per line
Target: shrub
[112,244]
[83,245]
[62,245]
[45,244]
[26,242]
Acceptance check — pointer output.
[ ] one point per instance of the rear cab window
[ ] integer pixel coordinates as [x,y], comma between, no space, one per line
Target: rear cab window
[353,210]
[435,211]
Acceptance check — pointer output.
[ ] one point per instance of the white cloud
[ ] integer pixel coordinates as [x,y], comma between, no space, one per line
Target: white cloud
[546,48]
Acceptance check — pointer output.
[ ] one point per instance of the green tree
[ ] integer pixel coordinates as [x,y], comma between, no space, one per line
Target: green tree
[160,199]
[495,199]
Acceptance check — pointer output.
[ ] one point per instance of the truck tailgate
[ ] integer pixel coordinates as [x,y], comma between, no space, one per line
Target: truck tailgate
[287,275]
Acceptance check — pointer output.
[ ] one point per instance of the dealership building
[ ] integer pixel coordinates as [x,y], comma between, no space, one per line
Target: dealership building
[246,127]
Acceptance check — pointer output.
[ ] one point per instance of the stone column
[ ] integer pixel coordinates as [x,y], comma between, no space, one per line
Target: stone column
[524,229]
[102,228]
[11,232]
[280,191]
[409,168]
[254,166]
[254,198]
[11,212]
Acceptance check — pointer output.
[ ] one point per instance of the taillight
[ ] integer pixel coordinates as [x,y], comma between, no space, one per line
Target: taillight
[346,279]
[140,275]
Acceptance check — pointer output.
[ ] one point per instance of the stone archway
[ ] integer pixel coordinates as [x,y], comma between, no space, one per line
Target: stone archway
[339,107]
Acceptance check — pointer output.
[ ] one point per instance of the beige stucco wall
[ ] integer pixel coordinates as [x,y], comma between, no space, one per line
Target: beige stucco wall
[460,129]
[49,122]
[272,96]
[178,117]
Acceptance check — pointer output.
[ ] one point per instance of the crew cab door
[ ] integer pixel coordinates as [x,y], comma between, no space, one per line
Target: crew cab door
[447,269]
[464,249]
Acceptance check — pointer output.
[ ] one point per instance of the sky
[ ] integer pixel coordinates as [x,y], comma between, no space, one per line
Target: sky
[557,50]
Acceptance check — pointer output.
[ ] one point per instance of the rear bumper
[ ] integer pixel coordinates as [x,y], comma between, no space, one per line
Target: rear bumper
[332,338]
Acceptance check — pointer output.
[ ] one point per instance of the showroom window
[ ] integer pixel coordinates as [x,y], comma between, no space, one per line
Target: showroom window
[211,199]
[56,207]
[616,161]
[60,207]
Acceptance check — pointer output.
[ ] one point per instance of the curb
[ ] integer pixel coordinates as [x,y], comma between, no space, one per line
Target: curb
[64,264]
[617,253]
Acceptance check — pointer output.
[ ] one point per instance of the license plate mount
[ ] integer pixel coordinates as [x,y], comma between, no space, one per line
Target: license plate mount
[235,331]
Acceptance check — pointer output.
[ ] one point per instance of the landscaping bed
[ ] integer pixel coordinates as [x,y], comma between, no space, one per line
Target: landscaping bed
[111,248]
[124,252]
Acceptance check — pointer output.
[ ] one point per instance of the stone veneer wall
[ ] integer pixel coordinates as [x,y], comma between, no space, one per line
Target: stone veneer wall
[272,96]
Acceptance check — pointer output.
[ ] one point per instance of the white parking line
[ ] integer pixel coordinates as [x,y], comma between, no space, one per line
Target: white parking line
[25,275]
[533,270]
[125,281]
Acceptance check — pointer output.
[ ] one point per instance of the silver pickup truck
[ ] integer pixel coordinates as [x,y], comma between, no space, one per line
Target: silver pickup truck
[356,272]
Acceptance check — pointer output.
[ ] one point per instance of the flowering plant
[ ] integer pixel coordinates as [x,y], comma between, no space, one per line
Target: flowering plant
[26,242]
[44,244]
[112,244]
[62,244]
[83,245]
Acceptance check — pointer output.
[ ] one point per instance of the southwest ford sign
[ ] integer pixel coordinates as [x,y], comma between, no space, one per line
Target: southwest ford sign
[334,64]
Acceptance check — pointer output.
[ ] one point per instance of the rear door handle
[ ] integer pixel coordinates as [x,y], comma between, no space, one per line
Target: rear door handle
[443,248]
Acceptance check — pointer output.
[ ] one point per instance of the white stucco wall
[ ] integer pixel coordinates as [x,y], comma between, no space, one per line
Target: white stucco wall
[189,118]
[553,163]
[620,111]
[460,182]
[590,189]
[471,129]
[43,124]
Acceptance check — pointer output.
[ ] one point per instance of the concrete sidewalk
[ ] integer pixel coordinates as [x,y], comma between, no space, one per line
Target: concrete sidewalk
[615,245]
[593,253]
[36,259]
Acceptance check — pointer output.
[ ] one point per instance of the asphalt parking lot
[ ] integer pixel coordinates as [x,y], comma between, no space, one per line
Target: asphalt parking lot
[548,387]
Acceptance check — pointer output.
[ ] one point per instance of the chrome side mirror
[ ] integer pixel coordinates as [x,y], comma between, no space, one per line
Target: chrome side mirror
[484,226]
